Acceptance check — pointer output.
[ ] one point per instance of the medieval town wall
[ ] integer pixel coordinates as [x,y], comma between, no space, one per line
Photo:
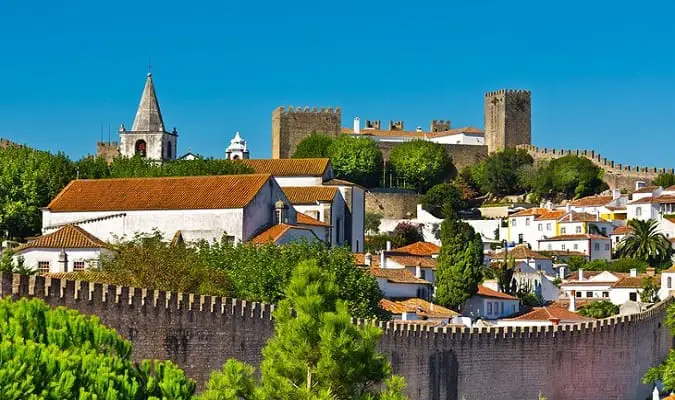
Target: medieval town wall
[392,203]
[291,125]
[597,360]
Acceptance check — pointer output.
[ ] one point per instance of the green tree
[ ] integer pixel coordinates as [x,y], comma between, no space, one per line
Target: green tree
[91,167]
[379,242]
[569,177]
[406,233]
[315,353]
[645,241]
[261,272]
[356,159]
[650,290]
[421,163]
[459,263]
[502,169]
[665,373]
[58,353]
[372,223]
[664,180]
[137,167]
[599,309]
[313,146]
[443,201]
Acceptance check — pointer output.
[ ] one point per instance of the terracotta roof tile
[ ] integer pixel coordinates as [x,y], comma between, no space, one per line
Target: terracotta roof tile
[536,211]
[485,291]
[550,215]
[67,237]
[342,182]
[670,189]
[414,134]
[662,199]
[592,201]
[621,230]
[646,189]
[310,194]
[635,282]
[421,307]
[549,313]
[574,216]
[420,249]
[521,252]
[274,233]
[671,269]
[413,261]
[289,166]
[304,219]
[397,275]
[582,236]
[169,193]
[360,259]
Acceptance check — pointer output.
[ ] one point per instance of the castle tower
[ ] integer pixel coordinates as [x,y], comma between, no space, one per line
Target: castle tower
[290,126]
[508,119]
[238,149]
[147,137]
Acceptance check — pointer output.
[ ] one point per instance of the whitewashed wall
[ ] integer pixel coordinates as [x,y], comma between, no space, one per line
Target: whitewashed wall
[90,257]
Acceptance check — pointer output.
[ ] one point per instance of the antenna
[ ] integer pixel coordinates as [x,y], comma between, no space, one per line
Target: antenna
[109,134]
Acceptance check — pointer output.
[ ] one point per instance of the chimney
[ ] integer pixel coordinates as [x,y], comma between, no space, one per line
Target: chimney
[357,125]
[383,259]
[395,125]
[373,124]
[651,271]
[368,259]
[581,274]
[280,210]
[573,301]
[562,271]
[633,272]
[63,260]
[616,193]
[388,245]
[418,271]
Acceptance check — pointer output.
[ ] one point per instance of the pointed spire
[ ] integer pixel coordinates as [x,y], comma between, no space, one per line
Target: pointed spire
[148,117]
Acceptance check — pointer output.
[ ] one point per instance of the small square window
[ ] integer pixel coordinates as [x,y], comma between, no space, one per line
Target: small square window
[578,229]
[540,227]
[43,267]
[605,294]
[563,246]
[596,246]
[578,294]
[607,246]
[576,246]
[513,222]
[78,265]
[563,231]
[589,294]
[548,227]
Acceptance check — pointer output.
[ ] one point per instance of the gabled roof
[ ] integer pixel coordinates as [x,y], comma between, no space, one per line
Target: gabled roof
[420,249]
[646,189]
[67,237]
[170,193]
[421,307]
[520,252]
[662,199]
[550,215]
[397,275]
[342,182]
[574,216]
[621,230]
[635,282]
[485,291]
[536,211]
[583,236]
[289,166]
[550,313]
[304,219]
[275,232]
[592,201]
[412,261]
[310,194]
[148,116]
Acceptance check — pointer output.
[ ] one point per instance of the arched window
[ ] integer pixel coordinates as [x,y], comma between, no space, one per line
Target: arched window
[169,150]
[235,157]
[141,148]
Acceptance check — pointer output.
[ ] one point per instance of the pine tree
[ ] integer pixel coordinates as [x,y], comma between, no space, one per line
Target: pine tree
[459,263]
[315,353]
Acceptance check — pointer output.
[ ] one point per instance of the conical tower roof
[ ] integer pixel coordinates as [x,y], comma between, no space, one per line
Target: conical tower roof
[148,117]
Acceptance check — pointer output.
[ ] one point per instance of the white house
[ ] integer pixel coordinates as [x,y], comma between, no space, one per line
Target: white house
[667,283]
[616,287]
[324,203]
[439,132]
[69,248]
[523,254]
[201,208]
[417,310]
[597,247]
[490,304]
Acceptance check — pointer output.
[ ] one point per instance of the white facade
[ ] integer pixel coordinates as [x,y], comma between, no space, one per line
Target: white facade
[238,149]
[393,290]
[490,307]
[35,258]
[595,246]
[476,139]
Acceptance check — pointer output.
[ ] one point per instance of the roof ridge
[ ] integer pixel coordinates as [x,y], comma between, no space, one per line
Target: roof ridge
[167,177]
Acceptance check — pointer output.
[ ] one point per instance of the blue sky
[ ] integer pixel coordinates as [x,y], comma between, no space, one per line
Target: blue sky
[602,73]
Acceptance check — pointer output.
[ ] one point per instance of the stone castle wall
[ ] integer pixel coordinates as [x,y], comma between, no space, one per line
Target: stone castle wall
[107,150]
[392,204]
[508,119]
[616,175]
[291,125]
[599,360]
[463,155]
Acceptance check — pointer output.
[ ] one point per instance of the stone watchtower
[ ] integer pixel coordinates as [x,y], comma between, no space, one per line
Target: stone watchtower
[508,119]
[147,137]
[290,126]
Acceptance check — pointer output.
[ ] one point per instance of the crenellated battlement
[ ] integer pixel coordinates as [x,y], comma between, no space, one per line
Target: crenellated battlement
[508,91]
[200,333]
[308,110]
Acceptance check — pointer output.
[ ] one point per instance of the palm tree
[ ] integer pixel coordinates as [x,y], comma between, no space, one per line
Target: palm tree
[645,242]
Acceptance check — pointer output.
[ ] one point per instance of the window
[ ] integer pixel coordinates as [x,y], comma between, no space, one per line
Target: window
[527,222]
[632,296]
[578,229]
[538,267]
[513,222]
[563,246]
[43,267]
[638,211]
[606,246]
[596,246]
[140,148]
[589,294]
[605,294]
[550,246]
[78,265]
[423,274]
[548,227]
[578,294]
[502,307]
[563,231]
[489,308]
[169,150]
[604,231]
[496,308]
[520,238]
[540,227]
[576,246]
[669,283]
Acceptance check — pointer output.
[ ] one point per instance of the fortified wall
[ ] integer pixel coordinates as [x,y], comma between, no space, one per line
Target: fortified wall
[617,176]
[291,125]
[392,203]
[599,360]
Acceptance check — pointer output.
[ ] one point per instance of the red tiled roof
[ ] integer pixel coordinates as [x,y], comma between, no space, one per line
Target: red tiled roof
[646,189]
[413,261]
[671,269]
[670,189]
[621,230]
[421,307]
[487,292]
[274,233]
[549,313]
[310,194]
[67,237]
[304,219]
[360,259]
[342,182]
[419,249]
[530,212]
[520,252]
[635,282]
[592,201]
[397,275]
[583,236]
[289,166]
[662,199]
[413,134]
[574,216]
[169,193]
[550,215]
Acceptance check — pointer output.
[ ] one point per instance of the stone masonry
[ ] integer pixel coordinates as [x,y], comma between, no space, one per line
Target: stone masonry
[597,360]
[508,119]
[291,125]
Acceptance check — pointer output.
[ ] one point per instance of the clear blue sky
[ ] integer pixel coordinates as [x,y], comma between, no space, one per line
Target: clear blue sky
[602,73]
